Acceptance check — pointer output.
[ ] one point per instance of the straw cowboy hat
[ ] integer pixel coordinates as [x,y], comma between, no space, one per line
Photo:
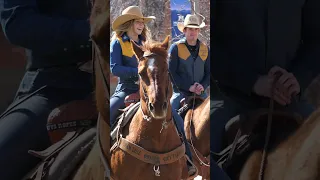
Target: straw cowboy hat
[191,21]
[131,12]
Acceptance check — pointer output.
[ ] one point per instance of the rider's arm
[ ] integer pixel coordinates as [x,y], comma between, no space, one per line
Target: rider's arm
[24,26]
[116,66]
[173,68]
[307,64]
[205,82]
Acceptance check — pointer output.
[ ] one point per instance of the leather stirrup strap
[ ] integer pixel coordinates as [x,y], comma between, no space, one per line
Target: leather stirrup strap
[57,146]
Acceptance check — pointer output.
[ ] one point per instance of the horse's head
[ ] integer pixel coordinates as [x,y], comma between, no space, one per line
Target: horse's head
[155,84]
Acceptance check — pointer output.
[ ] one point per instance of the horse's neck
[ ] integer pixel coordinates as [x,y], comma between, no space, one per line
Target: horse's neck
[147,133]
[201,122]
[305,162]
[295,158]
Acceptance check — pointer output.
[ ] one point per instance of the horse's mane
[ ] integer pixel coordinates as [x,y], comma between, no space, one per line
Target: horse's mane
[100,21]
[198,101]
[155,47]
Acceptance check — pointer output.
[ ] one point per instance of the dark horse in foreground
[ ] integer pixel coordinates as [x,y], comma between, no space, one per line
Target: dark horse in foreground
[271,143]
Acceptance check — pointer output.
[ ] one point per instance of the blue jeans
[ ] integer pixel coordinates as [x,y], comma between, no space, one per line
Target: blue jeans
[117,102]
[24,128]
[180,126]
[177,96]
[216,172]
[223,108]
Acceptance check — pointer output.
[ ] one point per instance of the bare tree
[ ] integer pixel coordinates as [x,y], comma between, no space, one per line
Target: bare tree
[203,11]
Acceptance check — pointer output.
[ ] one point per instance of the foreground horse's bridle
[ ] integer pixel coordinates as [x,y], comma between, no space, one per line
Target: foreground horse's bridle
[146,97]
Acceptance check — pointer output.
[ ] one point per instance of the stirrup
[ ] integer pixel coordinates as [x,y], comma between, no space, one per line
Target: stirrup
[192,170]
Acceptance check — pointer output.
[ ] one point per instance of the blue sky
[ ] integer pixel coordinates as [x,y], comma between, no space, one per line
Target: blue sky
[180,4]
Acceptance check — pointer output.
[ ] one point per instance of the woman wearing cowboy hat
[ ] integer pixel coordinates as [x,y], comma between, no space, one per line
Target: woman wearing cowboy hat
[123,64]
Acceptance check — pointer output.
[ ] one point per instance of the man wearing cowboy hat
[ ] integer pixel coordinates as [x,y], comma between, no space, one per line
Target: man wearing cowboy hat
[189,62]
[189,66]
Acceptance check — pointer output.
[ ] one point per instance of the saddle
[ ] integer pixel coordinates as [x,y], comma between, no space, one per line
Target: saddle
[187,103]
[132,98]
[72,131]
[246,133]
[129,100]
[122,120]
[70,117]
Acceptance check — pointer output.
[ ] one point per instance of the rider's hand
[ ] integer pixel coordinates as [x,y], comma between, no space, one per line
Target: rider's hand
[263,86]
[199,88]
[287,83]
[192,88]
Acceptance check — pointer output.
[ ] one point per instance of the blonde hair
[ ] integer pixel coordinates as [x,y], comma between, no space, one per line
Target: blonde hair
[125,27]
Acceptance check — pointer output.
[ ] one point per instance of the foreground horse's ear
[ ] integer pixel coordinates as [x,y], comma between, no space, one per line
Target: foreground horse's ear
[137,50]
[165,43]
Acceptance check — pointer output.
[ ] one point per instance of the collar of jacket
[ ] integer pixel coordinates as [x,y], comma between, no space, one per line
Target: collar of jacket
[184,41]
[125,38]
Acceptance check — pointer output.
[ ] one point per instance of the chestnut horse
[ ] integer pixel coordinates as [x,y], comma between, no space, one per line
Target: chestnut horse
[280,145]
[153,148]
[295,157]
[197,128]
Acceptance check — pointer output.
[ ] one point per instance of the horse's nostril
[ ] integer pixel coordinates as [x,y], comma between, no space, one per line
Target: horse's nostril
[151,108]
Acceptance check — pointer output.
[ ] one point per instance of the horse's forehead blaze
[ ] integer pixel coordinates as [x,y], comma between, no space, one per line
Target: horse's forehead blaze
[151,64]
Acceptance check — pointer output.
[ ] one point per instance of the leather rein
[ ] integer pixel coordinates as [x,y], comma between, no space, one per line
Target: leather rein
[268,131]
[107,93]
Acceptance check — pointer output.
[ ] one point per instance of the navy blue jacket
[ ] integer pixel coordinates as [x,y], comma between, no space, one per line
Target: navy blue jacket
[184,70]
[55,35]
[123,63]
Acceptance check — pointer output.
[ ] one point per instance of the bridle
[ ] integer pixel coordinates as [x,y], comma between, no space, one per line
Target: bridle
[145,95]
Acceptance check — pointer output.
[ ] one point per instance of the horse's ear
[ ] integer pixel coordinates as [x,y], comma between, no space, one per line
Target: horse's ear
[137,49]
[165,43]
